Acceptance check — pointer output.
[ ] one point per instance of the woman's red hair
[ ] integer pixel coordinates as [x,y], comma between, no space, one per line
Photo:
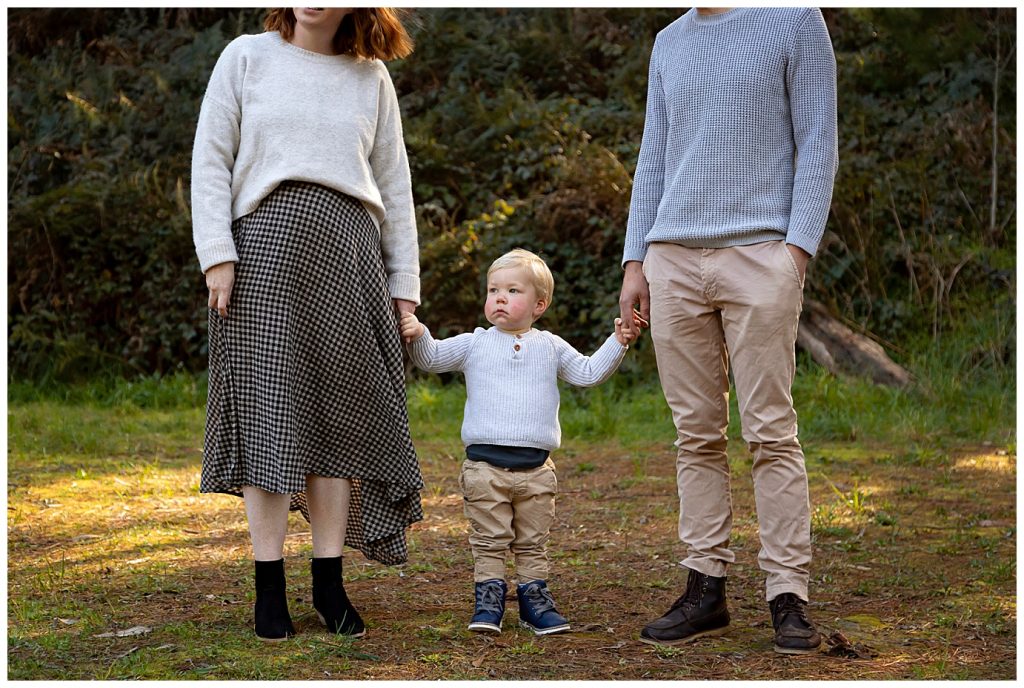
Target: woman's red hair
[366,32]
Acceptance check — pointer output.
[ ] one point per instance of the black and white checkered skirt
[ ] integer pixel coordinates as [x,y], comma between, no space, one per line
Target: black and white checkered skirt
[306,373]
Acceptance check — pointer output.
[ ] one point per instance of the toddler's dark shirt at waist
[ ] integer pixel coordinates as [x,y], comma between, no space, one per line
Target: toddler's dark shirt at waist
[513,458]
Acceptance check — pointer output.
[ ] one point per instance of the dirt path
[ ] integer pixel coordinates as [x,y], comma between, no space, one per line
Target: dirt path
[914,564]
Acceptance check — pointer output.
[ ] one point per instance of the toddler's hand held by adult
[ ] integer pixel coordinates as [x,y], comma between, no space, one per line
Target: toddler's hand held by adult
[624,334]
[410,328]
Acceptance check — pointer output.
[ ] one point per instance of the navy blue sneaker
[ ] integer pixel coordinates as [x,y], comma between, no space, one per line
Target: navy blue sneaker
[537,609]
[490,606]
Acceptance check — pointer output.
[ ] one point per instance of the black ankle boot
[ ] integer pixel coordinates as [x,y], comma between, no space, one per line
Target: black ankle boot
[701,611]
[272,619]
[330,601]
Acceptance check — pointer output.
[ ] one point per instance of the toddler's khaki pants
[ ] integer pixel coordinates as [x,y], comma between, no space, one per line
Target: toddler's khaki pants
[509,510]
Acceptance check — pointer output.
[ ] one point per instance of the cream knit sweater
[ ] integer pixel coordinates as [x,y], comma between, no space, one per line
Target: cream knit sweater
[275,112]
[512,380]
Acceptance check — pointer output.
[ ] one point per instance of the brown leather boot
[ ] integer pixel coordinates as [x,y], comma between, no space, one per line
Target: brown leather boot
[701,611]
[794,632]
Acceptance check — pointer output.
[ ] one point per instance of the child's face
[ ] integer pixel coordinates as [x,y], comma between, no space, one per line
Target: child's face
[512,301]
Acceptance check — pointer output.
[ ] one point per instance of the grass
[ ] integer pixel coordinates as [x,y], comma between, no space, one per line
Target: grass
[947,410]
[913,524]
[950,403]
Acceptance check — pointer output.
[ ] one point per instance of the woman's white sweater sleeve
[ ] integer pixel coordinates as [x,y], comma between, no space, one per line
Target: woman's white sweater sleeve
[390,165]
[213,157]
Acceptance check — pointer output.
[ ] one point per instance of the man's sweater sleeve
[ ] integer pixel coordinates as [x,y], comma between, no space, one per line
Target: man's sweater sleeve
[587,371]
[390,165]
[213,157]
[811,81]
[442,356]
[649,178]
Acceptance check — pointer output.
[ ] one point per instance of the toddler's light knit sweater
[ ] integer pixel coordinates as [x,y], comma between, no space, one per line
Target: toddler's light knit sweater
[275,112]
[512,380]
[739,142]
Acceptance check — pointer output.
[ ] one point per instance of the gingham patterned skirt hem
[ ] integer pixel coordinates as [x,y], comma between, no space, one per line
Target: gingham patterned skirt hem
[306,373]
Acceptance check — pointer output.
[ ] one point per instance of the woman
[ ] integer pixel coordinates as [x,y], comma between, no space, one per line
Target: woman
[304,226]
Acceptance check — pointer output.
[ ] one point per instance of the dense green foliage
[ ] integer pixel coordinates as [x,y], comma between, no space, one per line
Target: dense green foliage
[523,128]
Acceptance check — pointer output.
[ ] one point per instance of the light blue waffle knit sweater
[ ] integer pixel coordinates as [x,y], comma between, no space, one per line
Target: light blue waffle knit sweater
[740,142]
[512,380]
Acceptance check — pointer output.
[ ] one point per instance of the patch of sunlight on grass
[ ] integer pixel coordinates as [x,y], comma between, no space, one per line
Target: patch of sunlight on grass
[988,462]
[435,524]
[91,481]
[837,519]
[866,620]
[442,498]
[143,507]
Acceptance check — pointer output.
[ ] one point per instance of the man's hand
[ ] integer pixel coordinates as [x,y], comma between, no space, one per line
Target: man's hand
[634,291]
[801,258]
[220,279]
[410,328]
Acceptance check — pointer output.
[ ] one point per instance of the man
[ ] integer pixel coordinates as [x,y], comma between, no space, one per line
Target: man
[730,198]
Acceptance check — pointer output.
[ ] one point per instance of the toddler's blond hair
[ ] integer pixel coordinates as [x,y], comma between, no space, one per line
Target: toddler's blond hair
[540,274]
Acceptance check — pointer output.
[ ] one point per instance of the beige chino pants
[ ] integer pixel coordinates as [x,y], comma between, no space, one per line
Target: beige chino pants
[509,511]
[710,307]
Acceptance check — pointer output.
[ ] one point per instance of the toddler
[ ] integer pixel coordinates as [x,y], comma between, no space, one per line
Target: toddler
[509,428]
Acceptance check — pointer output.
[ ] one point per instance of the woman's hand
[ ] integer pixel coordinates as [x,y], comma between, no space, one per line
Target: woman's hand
[220,279]
[403,306]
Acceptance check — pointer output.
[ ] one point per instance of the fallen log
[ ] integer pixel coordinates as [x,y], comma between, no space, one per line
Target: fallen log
[842,351]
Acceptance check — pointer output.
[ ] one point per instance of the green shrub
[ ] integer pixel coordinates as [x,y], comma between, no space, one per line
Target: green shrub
[523,128]
[103,275]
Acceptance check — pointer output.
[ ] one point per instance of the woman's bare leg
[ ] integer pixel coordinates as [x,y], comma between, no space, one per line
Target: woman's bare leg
[328,501]
[268,522]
